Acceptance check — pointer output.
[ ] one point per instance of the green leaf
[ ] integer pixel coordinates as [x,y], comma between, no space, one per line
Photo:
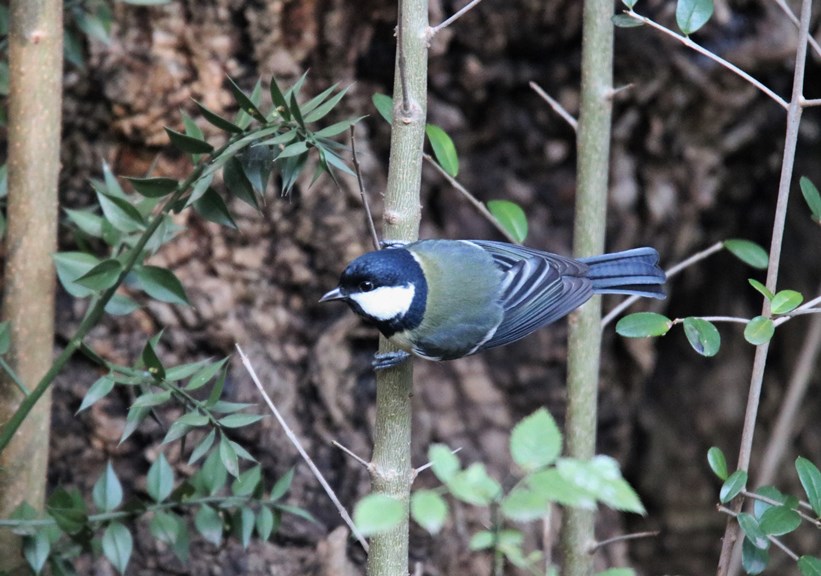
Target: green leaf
[734,484]
[243,525]
[182,371]
[257,162]
[36,549]
[265,524]
[209,524]
[102,276]
[617,572]
[482,540]
[601,477]
[239,420]
[759,330]
[702,335]
[160,479]
[86,221]
[101,387]
[108,492]
[154,187]
[536,441]
[377,513]
[524,505]
[203,447]
[120,213]
[384,105]
[245,103]
[228,455]
[165,526]
[748,252]
[763,290]
[779,520]
[73,265]
[338,128]
[429,510]
[117,545]
[152,362]
[810,478]
[212,207]
[237,182]
[282,485]
[161,284]
[444,463]
[278,98]
[5,337]
[753,531]
[177,430]
[812,197]
[188,143]
[443,149]
[112,185]
[322,110]
[511,217]
[121,305]
[552,486]
[296,111]
[212,475]
[717,462]
[809,566]
[247,482]
[204,375]
[785,301]
[643,325]
[693,14]
[770,492]
[753,560]
[218,121]
[474,486]
[68,510]
[625,21]
[294,149]
[152,399]
[135,417]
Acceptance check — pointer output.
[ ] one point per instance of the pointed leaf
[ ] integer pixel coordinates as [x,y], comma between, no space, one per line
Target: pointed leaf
[118,545]
[444,463]
[120,213]
[218,121]
[809,566]
[429,510]
[282,486]
[204,375]
[103,275]
[209,523]
[535,441]
[812,197]
[203,447]
[212,207]
[338,128]
[511,216]
[321,111]
[86,221]
[245,103]
[239,420]
[377,513]
[161,284]
[36,549]
[73,265]
[295,110]
[160,479]
[228,455]
[718,463]
[121,305]
[108,492]
[237,182]
[154,187]
[763,290]
[278,99]
[445,151]
[188,143]
[748,252]
[152,362]
[265,523]
[247,482]
[384,105]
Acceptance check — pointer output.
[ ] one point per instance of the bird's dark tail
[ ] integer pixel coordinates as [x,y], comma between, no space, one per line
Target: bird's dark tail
[633,271]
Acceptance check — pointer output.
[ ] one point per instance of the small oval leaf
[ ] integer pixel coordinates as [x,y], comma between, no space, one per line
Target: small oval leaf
[693,14]
[443,149]
[785,301]
[377,513]
[748,252]
[812,197]
[717,462]
[733,486]
[643,325]
[759,330]
[702,335]
[511,216]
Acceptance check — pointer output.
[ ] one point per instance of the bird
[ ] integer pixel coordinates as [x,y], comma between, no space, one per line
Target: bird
[445,299]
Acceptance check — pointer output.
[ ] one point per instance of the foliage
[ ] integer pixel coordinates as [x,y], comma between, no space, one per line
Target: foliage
[544,478]
[774,515]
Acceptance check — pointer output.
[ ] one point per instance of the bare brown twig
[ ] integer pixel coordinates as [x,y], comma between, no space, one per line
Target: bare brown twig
[362,192]
[458,14]
[623,537]
[557,107]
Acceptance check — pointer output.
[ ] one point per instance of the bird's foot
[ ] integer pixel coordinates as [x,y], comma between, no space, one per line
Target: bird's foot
[384,360]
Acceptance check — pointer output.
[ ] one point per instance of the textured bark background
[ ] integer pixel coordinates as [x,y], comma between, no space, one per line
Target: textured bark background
[695,160]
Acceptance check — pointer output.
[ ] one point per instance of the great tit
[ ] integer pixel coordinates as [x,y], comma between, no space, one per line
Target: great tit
[445,299]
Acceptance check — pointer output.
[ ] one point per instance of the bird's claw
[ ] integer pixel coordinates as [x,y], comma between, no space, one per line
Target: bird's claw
[384,360]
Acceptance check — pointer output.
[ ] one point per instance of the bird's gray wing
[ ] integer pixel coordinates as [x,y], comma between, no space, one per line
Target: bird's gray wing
[538,288]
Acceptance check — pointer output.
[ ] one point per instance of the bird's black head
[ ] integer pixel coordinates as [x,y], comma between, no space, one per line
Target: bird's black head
[386,287]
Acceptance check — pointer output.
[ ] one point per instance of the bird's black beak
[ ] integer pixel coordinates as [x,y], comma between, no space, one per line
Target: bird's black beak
[335,294]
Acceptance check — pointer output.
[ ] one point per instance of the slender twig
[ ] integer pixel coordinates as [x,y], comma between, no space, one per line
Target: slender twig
[806,308]
[794,19]
[670,272]
[547,538]
[403,76]
[784,427]
[362,192]
[801,504]
[613,540]
[616,91]
[812,102]
[352,454]
[13,376]
[687,41]
[471,198]
[429,464]
[461,12]
[557,107]
[794,112]
[772,539]
[298,445]
[729,319]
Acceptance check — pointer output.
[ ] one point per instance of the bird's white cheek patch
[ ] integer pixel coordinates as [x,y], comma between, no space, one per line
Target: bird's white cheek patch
[386,302]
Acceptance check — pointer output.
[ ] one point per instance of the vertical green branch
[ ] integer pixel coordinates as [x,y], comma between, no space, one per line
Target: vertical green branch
[35,70]
[391,470]
[593,149]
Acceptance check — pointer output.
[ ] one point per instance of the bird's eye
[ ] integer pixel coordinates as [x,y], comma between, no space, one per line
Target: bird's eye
[366,286]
